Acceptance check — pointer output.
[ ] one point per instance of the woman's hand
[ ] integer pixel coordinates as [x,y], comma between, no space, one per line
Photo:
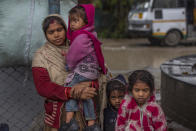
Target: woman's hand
[83,91]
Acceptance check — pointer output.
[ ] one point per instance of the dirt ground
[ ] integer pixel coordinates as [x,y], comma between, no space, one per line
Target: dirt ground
[125,55]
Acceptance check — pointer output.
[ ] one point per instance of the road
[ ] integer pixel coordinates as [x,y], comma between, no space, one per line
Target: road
[129,54]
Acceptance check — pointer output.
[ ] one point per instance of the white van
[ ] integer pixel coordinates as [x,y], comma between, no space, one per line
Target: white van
[164,21]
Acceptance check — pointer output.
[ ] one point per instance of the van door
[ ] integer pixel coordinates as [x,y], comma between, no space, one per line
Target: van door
[169,16]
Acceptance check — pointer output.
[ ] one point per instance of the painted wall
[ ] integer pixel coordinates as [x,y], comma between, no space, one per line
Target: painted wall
[20,28]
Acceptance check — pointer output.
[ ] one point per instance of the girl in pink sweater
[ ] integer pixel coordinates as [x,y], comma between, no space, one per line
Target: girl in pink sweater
[84,59]
[138,110]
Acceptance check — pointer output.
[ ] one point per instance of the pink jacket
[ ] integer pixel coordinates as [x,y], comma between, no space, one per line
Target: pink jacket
[85,45]
[131,117]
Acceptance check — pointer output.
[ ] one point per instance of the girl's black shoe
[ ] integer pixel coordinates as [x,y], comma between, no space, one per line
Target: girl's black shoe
[4,127]
[71,126]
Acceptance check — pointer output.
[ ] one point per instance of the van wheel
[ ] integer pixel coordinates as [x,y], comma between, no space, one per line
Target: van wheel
[172,38]
[154,41]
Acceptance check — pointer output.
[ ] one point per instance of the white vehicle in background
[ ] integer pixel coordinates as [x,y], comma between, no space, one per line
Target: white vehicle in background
[164,21]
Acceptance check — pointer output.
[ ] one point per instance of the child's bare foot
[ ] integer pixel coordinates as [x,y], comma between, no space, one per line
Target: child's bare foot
[91,122]
[69,116]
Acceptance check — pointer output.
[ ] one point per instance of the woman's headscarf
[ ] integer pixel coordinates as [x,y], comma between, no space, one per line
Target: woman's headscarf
[50,57]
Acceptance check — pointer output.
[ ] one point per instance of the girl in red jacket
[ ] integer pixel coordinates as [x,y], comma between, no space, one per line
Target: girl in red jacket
[138,110]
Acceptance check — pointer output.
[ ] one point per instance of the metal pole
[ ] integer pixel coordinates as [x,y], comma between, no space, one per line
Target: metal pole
[54,6]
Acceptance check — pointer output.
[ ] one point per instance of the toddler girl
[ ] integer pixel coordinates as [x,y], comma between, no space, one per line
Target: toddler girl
[84,59]
[139,111]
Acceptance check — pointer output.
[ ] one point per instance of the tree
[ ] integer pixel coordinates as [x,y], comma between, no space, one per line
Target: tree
[117,10]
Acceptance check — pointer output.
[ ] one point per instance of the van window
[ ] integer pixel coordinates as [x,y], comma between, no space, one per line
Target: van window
[169,3]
